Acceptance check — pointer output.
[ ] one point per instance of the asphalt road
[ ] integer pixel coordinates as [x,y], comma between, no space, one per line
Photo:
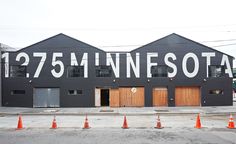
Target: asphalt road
[178,129]
[119,136]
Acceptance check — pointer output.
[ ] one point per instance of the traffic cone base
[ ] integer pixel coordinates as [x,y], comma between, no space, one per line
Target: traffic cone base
[198,122]
[86,123]
[231,123]
[20,123]
[125,124]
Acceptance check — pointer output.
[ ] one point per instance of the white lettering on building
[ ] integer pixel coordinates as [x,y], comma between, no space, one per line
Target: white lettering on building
[41,63]
[135,67]
[6,64]
[115,67]
[170,64]
[96,59]
[73,60]
[150,64]
[196,65]
[225,61]
[84,62]
[56,62]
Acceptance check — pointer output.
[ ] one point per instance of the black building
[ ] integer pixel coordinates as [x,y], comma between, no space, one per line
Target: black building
[64,72]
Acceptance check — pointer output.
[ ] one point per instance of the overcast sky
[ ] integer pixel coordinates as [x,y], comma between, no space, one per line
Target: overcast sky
[119,24]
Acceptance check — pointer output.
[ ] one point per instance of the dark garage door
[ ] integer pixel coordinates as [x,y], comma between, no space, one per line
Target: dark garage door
[46,97]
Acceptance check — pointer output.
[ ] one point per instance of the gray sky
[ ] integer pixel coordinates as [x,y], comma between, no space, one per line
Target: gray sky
[119,24]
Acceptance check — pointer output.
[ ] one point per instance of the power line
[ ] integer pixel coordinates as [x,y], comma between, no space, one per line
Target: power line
[140,45]
[225,45]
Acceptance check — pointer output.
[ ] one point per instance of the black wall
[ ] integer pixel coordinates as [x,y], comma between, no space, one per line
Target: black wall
[62,43]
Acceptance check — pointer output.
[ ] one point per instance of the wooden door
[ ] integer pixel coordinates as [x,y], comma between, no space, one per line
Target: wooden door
[187,96]
[114,98]
[131,96]
[125,97]
[160,96]
[137,94]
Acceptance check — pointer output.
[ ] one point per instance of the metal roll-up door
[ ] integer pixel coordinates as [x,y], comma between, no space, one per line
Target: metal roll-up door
[46,97]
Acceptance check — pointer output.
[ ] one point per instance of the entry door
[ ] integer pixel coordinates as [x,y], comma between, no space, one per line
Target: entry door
[160,96]
[46,97]
[187,96]
[105,97]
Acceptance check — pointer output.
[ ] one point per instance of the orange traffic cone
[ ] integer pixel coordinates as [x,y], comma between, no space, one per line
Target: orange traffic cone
[231,122]
[158,126]
[20,124]
[86,123]
[54,123]
[125,124]
[198,122]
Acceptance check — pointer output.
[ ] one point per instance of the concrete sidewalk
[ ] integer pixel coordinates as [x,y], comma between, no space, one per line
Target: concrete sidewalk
[219,110]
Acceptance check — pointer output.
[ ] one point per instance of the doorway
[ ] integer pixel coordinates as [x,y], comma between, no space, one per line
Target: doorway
[160,96]
[105,97]
[46,97]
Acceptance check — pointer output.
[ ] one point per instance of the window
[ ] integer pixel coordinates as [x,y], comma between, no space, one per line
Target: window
[103,71]
[216,71]
[159,71]
[17,92]
[18,71]
[75,92]
[75,71]
[217,91]
[234,75]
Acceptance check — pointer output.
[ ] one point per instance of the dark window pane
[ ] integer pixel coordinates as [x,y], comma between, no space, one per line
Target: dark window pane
[17,71]
[75,71]
[79,92]
[75,92]
[103,71]
[216,71]
[71,92]
[217,91]
[15,92]
[159,71]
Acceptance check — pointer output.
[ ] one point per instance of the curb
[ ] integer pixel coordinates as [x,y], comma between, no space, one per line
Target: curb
[118,114]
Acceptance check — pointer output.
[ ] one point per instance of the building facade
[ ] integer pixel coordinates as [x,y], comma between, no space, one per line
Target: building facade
[64,72]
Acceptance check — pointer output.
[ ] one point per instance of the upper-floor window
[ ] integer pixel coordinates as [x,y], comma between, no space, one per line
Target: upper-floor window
[103,71]
[17,71]
[234,73]
[159,71]
[75,71]
[216,71]
[17,92]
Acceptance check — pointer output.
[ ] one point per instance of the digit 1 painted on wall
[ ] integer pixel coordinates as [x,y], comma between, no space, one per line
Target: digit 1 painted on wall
[6,57]
[59,63]
[26,62]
